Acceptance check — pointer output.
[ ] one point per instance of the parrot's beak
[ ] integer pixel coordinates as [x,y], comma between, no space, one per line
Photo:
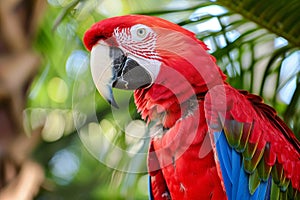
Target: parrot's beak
[110,68]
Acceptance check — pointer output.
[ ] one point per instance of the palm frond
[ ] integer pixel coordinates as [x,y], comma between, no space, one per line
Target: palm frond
[279,17]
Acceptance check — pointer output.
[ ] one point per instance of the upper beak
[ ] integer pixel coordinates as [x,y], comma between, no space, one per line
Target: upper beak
[110,67]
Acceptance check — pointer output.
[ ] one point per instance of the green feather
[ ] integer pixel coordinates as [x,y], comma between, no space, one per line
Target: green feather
[283,196]
[250,150]
[233,131]
[275,191]
[293,193]
[277,173]
[254,182]
[284,184]
[247,128]
[263,168]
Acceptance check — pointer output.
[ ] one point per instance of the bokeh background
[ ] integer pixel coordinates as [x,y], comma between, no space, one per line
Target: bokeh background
[60,140]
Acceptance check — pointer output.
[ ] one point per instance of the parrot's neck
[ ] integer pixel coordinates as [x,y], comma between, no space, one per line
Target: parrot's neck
[176,90]
[187,72]
[164,111]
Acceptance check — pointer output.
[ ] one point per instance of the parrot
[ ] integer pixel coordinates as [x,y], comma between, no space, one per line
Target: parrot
[208,140]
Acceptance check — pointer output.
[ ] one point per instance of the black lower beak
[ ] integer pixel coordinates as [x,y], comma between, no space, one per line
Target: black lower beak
[128,73]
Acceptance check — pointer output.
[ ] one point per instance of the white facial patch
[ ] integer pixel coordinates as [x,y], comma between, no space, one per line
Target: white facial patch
[139,43]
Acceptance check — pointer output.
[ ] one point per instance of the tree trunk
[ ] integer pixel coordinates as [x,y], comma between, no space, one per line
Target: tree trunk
[20,177]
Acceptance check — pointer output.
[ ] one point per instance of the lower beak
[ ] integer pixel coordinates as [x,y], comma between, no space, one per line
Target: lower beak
[111,68]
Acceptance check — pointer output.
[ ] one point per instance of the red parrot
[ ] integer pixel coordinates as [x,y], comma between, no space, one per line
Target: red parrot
[208,139]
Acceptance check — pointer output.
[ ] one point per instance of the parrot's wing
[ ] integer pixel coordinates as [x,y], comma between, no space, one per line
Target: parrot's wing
[254,148]
[234,176]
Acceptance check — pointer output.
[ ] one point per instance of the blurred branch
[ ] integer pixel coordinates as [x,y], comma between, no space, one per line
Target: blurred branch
[15,74]
[26,185]
[16,33]
[11,27]
[65,11]
[23,176]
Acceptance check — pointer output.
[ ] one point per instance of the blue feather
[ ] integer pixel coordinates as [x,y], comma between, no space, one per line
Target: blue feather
[235,178]
[223,158]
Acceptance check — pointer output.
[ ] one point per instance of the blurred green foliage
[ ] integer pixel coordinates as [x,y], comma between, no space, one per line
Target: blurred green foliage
[77,124]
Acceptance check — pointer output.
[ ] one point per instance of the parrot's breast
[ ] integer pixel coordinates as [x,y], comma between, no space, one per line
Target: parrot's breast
[184,156]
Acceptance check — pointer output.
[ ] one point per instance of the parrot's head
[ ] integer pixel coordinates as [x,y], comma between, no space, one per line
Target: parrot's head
[135,52]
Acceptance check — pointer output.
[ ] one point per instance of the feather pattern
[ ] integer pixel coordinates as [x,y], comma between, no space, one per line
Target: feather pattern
[234,176]
[257,141]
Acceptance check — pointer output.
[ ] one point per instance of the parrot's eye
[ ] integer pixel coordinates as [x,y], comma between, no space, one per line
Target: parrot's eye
[141,32]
